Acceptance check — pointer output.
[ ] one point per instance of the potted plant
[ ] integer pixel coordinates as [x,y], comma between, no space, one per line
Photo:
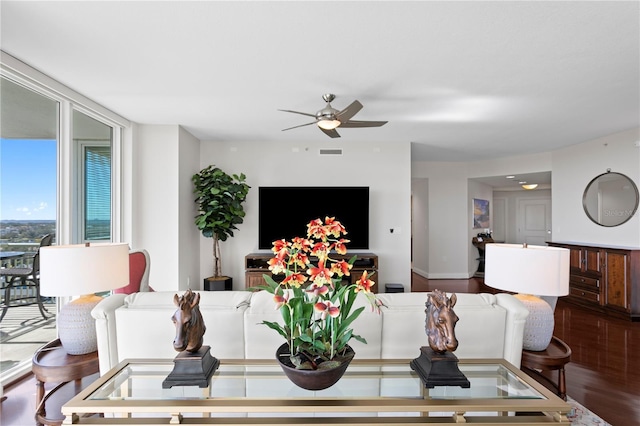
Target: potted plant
[316,304]
[219,197]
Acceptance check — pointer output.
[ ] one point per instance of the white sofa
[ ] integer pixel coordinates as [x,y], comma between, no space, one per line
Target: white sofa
[139,326]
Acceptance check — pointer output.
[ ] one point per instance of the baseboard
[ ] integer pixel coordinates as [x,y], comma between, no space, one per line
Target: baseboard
[420,272]
[451,276]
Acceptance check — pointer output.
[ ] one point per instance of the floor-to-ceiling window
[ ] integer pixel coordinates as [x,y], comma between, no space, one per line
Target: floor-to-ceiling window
[29,132]
[60,173]
[93,140]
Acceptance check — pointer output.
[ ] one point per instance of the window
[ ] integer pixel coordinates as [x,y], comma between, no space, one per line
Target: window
[28,211]
[60,163]
[97,193]
[93,140]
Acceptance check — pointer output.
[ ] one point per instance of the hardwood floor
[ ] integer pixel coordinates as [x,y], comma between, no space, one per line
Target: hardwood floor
[604,372]
[603,375]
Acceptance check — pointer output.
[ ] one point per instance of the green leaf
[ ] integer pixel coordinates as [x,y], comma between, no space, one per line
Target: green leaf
[277,327]
[359,339]
[219,198]
[344,324]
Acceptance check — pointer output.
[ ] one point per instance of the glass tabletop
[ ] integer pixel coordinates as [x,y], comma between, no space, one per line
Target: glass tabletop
[366,379]
[256,392]
[10,254]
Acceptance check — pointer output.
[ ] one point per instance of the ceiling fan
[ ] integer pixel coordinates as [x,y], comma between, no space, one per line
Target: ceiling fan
[329,118]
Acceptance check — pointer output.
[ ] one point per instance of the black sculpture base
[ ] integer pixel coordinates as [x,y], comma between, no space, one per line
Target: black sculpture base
[192,369]
[437,369]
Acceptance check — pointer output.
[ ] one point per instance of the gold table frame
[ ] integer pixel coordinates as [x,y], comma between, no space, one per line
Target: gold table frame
[544,408]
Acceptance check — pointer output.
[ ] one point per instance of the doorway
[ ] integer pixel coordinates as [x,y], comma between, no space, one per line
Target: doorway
[534,221]
[522,216]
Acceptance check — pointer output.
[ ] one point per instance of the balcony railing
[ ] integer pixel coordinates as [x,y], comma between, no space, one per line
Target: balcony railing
[23,329]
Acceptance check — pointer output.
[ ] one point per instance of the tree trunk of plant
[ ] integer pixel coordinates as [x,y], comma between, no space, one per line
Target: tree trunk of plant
[217,268]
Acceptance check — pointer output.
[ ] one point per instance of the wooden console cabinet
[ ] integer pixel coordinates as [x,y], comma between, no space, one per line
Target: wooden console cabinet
[256,265]
[606,278]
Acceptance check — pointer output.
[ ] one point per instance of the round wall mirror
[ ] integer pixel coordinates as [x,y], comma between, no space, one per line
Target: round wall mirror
[610,199]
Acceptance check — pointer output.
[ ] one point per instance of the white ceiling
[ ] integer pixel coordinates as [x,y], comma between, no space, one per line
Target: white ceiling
[462,81]
[515,182]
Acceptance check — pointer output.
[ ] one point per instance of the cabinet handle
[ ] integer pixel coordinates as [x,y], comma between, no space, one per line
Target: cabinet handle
[583,293]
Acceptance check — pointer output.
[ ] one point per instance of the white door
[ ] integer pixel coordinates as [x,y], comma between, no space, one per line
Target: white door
[534,221]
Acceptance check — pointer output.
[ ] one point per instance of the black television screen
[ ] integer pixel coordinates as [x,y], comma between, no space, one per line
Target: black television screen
[285,211]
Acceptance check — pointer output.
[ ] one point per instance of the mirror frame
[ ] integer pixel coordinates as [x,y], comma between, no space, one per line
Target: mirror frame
[594,180]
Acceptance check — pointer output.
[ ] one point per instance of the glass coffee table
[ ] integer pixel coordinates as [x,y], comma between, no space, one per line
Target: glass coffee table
[256,392]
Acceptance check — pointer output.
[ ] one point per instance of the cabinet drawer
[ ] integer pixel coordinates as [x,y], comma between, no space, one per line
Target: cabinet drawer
[587,295]
[585,282]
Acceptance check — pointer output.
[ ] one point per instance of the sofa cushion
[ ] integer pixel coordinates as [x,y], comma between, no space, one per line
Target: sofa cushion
[222,312]
[211,299]
[404,319]
[264,341]
[139,326]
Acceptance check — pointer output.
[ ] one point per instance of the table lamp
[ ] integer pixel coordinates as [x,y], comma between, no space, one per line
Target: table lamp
[81,269]
[529,271]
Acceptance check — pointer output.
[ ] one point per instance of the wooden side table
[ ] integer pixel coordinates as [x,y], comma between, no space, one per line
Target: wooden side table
[480,243]
[555,357]
[51,363]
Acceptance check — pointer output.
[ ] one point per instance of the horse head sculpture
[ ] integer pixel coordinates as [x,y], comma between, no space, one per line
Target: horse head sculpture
[441,322]
[188,321]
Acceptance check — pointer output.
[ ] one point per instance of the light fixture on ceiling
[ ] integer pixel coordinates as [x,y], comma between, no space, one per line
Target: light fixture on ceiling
[510,177]
[328,124]
[530,186]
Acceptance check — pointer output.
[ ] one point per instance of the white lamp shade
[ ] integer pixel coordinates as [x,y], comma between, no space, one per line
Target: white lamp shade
[538,270]
[71,270]
[530,270]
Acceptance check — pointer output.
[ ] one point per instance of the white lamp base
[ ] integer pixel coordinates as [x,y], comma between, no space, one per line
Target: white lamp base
[538,328]
[76,326]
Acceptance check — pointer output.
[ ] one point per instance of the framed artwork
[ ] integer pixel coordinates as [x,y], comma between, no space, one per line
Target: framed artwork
[480,213]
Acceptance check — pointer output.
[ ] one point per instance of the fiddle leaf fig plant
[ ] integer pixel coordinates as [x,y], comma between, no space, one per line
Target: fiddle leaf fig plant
[219,197]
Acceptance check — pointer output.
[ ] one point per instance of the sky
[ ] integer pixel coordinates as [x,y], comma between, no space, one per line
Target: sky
[27,179]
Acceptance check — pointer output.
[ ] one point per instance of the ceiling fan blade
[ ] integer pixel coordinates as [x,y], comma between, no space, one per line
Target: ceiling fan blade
[301,125]
[355,123]
[297,112]
[331,133]
[350,111]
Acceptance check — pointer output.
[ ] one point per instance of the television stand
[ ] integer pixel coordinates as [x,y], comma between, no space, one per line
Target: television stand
[256,264]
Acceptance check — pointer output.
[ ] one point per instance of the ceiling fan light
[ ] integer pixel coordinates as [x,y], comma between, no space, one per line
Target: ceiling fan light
[530,186]
[328,124]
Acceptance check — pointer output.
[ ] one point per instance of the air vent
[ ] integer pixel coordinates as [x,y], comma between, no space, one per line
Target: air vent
[336,151]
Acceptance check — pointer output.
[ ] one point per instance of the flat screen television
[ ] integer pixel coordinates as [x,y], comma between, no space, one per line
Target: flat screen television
[285,211]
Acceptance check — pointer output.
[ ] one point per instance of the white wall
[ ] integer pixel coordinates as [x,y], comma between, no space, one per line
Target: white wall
[161,203]
[385,168]
[420,225]
[511,165]
[511,200]
[188,233]
[483,192]
[573,169]
[448,218]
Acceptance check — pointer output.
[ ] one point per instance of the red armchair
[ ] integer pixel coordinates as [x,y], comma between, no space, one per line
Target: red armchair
[139,266]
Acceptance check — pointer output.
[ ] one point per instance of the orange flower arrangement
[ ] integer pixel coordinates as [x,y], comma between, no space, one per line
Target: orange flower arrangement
[315,300]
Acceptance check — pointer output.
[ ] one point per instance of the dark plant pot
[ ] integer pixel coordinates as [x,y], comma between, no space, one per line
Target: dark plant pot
[218,284]
[312,379]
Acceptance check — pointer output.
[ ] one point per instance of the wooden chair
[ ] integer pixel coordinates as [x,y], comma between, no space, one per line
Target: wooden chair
[17,282]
